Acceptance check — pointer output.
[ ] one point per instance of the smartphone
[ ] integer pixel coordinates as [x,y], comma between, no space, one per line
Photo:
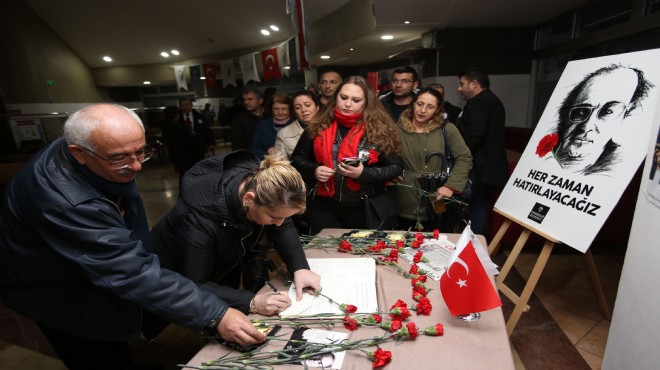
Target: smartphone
[264,329]
[351,161]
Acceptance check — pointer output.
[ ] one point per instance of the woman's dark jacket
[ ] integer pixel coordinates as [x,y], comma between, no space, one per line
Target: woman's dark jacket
[372,180]
[207,236]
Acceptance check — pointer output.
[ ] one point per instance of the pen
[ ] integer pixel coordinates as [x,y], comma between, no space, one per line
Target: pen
[271,286]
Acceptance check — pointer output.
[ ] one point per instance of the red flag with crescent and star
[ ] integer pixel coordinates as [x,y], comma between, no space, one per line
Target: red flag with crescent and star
[465,285]
[209,72]
[271,64]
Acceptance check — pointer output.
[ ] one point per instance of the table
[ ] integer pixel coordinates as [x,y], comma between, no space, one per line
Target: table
[483,344]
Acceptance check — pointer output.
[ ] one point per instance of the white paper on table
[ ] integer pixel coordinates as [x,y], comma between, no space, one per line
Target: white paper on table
[345,280]
[326,337]
[437,251]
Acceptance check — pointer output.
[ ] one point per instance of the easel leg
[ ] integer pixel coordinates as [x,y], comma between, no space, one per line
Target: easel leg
[520,243]
[529,287]
[598,287]
[494,245]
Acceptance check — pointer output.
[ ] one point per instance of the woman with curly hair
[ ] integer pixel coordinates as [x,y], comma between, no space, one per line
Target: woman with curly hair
[350,150]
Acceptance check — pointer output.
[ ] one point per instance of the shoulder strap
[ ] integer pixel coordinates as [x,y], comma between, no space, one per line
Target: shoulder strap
[449,159]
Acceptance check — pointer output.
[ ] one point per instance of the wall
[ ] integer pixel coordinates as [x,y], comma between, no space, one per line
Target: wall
[513,90]
[33,54]
[634,332]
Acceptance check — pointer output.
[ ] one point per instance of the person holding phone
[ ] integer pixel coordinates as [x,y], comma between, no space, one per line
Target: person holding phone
[354,124]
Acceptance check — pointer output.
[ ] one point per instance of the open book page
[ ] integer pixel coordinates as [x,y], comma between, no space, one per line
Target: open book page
[437,251]
[345,280]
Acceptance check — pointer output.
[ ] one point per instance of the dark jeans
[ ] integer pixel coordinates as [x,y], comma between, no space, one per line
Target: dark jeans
[321,215]
[83,354]
[480,207]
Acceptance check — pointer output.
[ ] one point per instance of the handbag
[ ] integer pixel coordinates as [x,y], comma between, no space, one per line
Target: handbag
[449,164]
[380,210]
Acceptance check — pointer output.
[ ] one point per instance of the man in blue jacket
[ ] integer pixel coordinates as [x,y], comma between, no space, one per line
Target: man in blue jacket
[75,254]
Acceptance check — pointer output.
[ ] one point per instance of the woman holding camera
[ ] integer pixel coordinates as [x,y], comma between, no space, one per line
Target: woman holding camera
[420,129]
[350,150]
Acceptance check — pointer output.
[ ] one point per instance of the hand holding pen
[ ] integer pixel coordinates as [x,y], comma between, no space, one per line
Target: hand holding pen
[272,302]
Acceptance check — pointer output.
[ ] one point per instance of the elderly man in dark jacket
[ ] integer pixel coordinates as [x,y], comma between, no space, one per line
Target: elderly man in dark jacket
[74,242]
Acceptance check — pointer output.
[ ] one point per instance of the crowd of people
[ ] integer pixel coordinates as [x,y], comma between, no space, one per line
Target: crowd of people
[79,257]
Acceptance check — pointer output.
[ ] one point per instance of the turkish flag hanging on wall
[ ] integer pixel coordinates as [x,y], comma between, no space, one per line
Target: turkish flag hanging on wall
[209,73]
[271,64]
[465,286]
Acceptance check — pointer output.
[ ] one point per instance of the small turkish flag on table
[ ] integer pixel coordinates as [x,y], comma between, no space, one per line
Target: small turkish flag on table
[465,285]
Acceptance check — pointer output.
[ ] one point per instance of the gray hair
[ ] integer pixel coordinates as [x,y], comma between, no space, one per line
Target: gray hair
[80,125]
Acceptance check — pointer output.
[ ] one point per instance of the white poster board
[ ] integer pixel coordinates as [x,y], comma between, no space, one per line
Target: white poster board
[587,146]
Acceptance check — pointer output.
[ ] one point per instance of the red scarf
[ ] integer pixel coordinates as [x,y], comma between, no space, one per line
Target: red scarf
[347,148]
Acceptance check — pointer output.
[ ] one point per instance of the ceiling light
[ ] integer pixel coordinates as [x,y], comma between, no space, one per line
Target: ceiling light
[351,49]
[202,77]
[287,67]
[174,52]
[164,54]
[406,22]
[147,82]
[265,32]
[274,28]
[107,59]
[387,37]
[325,56]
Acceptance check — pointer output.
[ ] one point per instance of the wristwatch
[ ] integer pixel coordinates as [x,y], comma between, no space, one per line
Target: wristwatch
[253,306]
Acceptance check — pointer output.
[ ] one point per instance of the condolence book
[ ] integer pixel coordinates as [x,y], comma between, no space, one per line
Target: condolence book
[345,280]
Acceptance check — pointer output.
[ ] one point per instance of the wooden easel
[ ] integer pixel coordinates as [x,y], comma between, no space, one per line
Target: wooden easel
[520,302]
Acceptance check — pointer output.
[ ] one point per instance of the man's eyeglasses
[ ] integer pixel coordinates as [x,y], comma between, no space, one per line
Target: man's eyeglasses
[124,160]
[608,112]
[404,81]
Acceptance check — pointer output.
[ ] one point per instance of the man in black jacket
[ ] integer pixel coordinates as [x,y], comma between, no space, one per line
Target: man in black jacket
[482,125]
[244,124]
[76,252]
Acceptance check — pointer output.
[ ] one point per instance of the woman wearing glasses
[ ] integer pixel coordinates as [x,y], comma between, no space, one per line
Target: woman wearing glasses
[420,129]
[215,233]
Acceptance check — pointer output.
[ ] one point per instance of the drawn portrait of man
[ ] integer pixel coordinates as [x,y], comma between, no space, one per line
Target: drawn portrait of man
[591,115]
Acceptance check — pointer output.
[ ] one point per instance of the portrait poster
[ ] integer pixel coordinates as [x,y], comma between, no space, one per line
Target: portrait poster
[589,142]
[651,179]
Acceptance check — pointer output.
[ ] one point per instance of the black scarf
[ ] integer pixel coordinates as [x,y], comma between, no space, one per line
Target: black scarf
[125,196]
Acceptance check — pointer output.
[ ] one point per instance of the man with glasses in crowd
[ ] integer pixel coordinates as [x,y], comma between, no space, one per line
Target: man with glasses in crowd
[404,83]
[76,253]
[591,115]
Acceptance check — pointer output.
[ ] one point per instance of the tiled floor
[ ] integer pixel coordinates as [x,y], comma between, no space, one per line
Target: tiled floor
[565,291]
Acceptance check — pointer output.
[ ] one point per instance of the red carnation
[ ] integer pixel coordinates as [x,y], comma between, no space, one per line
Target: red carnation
[413,270]
[400,313]
[345,247]
[418,256]
[424,306]
[377,318]
[436,233]
[416,244]
[348,308]
[547,144]
[413,331]
[419,237]
[391,326]
[380,358]
[373,157]
[434,331]
[420,289]
[399,303]
[350,323]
